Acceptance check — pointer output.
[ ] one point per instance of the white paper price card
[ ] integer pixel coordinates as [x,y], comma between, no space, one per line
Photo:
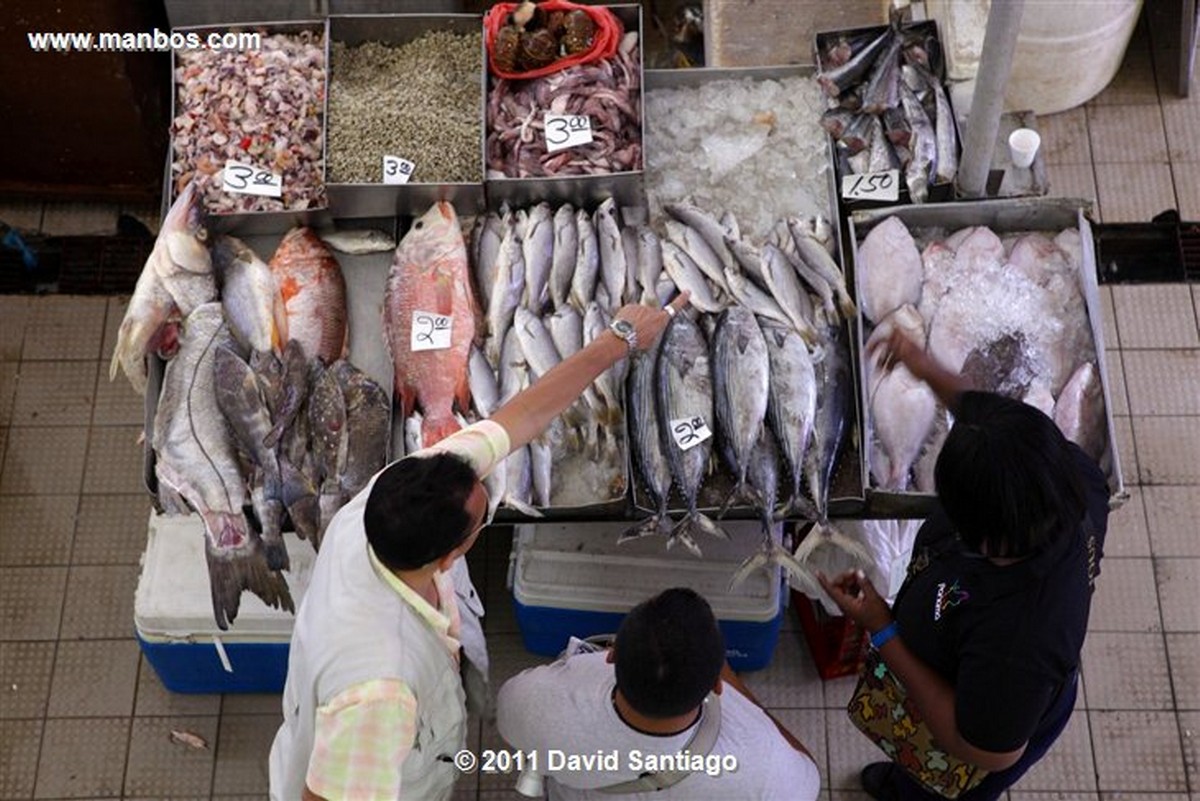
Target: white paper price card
[872,186]
[567,130]
[246,180]
[430,331]
[397,170]
[689,432]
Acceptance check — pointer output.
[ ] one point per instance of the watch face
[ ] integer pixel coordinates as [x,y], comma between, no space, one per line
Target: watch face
[623,327]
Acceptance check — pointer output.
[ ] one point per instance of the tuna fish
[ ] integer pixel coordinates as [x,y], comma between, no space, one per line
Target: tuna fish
[647,444]
[740,371]
[792,404]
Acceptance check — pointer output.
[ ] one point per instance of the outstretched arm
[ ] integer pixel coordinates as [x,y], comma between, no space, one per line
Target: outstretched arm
[528,413]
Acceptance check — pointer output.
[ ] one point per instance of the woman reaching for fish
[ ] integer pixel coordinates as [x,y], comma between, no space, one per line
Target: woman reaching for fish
[986,632]
[373,667]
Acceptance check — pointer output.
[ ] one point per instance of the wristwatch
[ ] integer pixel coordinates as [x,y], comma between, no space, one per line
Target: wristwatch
[625,330]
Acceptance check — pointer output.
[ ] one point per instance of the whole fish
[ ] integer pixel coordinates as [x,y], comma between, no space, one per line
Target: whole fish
[902,406]
[749,295]
[740,371]
[566,250]
[684,395]
[832,417]
[883,85]
[368,416]
[240,401]
[612,254]
[646,442]
[313,291]
[327,426]
[286,402]
[429,275]
[924,146]
[650,264]
[486,252]
[485,392]
[541,468]
[839,79]
[814,251]
[607,384]
[536,344]
[1079,410]
[792,403]
[253,305]
[709,229]
[700,250]
[177,274]
[944,131]
[889,269]
[518,470]
[537,250]
[810,277]
[785,287]
[730,226]
[749,259]
[688,277]
[587,261]
[566,329]
[507,292]
[633,271]
[197,459]
[359,242]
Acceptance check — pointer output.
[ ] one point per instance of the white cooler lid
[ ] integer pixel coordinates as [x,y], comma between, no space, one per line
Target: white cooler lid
[579,566]
[173,600]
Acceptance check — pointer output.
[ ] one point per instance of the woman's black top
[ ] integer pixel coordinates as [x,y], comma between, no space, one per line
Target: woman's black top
[1005,637]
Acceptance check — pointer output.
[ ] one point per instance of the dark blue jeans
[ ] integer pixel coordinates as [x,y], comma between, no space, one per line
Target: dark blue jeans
[994,784]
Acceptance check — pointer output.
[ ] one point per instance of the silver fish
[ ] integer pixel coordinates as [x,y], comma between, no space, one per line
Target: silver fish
[749,259]
[883,84]
[740,385]
[747,293]
[683,387]
[485,393]
[836,81]
[922,143]
[566,251]
[647,444]
[595,323]
[792,403]
[700,251]
[249,295]
[944,131]
[729,225]
[612,254]
[566,329]
[832,419]
[785,287]
[688,277]
[541,465]
[358,242]
[506,294]
[486,252]
[650,264]
[537,250]
[536,344]
[587,262]
[816,255]
[518,470]
[706,226]
[197,459]
[633,271]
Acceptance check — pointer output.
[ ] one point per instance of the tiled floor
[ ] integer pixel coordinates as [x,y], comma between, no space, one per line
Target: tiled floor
[82,715]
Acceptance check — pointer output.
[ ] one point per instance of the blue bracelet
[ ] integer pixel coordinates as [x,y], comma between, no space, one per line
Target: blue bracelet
[880,638]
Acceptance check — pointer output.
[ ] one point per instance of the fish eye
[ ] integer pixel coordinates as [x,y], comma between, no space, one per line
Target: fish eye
[418,225]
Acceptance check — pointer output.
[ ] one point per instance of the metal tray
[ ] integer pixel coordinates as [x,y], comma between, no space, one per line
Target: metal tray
[1002,216]
[259,222]
[579,190]
[379,199]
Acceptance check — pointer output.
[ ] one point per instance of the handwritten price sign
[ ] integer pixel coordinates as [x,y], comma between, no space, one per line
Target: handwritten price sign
[243,179]
[567,130]
[430,331]
[397,170]
[689,432]
[872,186]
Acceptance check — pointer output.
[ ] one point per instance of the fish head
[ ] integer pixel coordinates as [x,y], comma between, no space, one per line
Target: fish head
[431,237]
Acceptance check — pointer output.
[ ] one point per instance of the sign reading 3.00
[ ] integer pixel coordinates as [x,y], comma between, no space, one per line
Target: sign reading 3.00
[567,130]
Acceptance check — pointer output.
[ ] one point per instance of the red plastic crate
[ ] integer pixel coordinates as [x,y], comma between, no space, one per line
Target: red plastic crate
[838,645]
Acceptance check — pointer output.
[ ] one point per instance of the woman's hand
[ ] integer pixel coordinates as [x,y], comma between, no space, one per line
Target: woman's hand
[855,595]
[898,348]
[648,322]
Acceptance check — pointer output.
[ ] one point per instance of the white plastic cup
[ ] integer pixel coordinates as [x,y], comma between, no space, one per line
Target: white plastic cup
[1023,144]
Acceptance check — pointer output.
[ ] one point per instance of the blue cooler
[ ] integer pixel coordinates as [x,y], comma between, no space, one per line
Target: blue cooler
[571,579]
[175,624]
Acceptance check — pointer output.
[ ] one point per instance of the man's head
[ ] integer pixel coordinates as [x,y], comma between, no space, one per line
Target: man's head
[1006,477]
[668,654]
[423,510]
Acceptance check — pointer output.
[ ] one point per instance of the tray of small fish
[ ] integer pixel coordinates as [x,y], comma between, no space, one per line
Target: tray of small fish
[1004,291]
[549,280]
[249,126]
[723,138]
[267,402]
[528,162]
[889,115]
[405,113]
[748,407]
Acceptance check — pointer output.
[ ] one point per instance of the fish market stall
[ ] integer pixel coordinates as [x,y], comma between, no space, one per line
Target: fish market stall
[1004,291]
[405,113]
[249,125]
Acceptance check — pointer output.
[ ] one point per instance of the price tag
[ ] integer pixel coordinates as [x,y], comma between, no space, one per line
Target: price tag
[567,130]
[246,180]
[872,186]
[689,432]
[430,331]
[397,170]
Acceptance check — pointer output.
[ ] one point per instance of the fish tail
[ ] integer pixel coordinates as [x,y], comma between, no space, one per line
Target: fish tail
[436,429]
[709,526]
[229,573]
[657,524]
[522,507]
[846,303]
[681,533]
[273,545]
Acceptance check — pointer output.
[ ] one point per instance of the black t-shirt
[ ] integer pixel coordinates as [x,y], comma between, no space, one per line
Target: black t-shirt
[1005,637]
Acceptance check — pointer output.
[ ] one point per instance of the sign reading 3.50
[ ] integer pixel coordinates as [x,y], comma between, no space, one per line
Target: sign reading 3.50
[246,180]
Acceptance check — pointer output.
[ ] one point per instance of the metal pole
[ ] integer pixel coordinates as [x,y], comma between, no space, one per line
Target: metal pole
[995,64]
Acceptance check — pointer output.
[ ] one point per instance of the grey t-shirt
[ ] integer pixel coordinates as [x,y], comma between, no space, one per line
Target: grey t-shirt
[564,710]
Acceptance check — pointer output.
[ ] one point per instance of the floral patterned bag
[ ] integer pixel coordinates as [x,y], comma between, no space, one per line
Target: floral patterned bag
[880,707]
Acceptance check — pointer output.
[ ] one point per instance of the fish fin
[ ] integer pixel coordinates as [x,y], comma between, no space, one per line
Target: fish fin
[231,572]
[274,548]
[708,526]
[434,429]
[300,500]
[646,528]
[463,393]
[522,507]
[755,561]
[407,395]
[846,303]
[743,492]
[851,546]
[682,533]
[798,506]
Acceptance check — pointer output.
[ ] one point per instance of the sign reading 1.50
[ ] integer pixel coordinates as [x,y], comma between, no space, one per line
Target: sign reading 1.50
[872,186]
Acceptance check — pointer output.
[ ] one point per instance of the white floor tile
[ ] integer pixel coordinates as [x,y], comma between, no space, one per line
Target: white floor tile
[1127,532]
[1125,599]
[1155,316]
[1163,382]
[1137,751]
[1183,655]
[1177,581]
[1068,765]
[1127,670]
[1167,448]
[1172,514]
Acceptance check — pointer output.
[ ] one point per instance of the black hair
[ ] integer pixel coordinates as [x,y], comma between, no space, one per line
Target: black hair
[417,510]
[1007,477]
[669,654]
